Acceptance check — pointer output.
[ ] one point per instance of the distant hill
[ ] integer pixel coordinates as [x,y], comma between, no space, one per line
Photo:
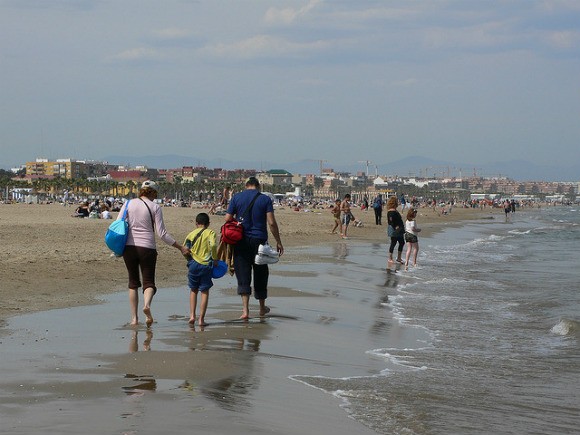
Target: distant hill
[519,170]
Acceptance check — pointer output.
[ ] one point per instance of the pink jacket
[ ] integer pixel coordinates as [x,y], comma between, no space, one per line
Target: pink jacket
[141,231]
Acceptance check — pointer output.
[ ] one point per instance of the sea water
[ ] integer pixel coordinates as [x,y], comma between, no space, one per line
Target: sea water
[499,307]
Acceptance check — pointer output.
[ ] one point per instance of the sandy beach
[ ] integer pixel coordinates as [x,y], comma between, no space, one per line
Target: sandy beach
[70,365]
[52,260]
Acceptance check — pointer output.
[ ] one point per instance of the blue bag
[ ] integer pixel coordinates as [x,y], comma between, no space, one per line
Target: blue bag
[116,236]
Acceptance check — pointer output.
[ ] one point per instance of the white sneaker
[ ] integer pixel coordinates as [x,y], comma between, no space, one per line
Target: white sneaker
[266,255]
[267,250]
[261,259]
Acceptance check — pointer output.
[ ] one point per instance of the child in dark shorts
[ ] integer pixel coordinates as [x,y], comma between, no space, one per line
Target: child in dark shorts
[202,243]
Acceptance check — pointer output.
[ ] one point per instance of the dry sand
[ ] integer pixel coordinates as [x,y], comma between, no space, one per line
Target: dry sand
[52,260]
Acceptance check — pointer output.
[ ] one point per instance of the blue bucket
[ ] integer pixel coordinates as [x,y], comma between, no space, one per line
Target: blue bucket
[219,270]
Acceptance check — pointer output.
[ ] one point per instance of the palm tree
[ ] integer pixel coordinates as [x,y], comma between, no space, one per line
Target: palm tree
[131,185]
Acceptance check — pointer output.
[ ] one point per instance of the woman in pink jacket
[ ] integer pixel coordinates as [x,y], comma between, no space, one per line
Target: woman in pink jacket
[145,218]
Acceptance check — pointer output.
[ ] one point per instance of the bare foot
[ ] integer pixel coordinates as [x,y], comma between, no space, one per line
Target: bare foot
[245,316]
[148,317]
[264,311]
[202,322]
[191,321]
[134,322]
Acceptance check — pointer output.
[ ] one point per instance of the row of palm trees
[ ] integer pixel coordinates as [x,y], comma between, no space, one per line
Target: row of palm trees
[92,188]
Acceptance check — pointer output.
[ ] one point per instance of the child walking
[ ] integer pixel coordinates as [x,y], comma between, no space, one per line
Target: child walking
[411,231]
[202,243]
[336,215]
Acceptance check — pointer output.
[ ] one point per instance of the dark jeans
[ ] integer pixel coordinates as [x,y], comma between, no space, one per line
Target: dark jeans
[378,216]
[244,254]
[394,240]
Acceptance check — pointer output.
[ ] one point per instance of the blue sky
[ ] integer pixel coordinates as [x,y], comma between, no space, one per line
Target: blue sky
[344,81]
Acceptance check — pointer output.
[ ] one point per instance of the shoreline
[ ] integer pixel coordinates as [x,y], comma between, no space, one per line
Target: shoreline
[53,260]
[220,372]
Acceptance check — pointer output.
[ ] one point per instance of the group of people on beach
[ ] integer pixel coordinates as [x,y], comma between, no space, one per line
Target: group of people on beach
[96,210]
[343,216]
[200,248]
[255,211]
[398,231]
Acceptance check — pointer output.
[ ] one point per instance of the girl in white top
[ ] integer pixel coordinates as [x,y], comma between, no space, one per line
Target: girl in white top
[411,231]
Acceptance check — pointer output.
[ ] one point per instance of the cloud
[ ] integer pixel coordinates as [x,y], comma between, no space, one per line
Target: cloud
[373,14]
[288,16]
[563,40]
[264,46]
[483,35]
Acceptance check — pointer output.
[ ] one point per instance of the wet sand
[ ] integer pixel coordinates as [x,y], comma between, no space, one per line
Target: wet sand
[51,260]
[69,367]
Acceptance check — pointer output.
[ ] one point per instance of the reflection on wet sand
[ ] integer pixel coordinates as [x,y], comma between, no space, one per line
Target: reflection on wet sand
[146,384]
[221,371]
[340,251]
[134,343]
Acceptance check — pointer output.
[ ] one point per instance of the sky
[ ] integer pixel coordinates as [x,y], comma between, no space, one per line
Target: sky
[334,80]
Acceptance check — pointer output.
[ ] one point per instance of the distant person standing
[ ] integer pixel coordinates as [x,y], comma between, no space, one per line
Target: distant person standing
[225,199]
[346,215]
[403,202]
[378,208]
[145,218]
[255,223]
[507,208]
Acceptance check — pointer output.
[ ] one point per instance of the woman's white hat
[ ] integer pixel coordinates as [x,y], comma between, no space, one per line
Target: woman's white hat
[151,185]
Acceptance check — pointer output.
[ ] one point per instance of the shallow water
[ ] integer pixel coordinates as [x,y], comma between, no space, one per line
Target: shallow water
[499,303]
[482,337]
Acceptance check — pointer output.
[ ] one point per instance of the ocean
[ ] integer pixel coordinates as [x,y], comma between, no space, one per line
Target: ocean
[494,309]
[483,336]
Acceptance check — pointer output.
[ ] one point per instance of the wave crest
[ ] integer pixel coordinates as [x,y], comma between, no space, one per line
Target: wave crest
[566,327]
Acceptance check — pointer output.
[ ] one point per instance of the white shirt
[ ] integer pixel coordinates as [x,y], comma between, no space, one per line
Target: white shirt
[411,227]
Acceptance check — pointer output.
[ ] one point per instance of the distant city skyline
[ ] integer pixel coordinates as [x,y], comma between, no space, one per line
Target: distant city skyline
[480,82]
[414,166]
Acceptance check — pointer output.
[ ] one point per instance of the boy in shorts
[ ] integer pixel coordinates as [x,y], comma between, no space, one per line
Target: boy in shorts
[202,243]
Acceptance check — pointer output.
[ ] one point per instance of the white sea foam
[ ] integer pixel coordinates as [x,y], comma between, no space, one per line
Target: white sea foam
[519,232]
[566,327]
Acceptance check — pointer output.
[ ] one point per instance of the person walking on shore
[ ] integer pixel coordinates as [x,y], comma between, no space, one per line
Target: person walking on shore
[336,215]
[411,231]
[507,208]
[396,229]
[202,243]
[259,215]
[145,218]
